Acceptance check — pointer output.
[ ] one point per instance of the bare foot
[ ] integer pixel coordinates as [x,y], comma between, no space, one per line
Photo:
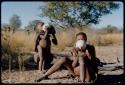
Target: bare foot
[44,71]
[77,78]
[39,71]
[82,81]
[70,75]
[87,79]
[39,79]
[88,82]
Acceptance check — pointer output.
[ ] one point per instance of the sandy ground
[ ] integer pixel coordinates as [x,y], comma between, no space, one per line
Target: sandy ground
[110,73]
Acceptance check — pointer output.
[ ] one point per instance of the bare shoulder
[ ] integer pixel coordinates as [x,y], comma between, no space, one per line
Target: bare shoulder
[90,46]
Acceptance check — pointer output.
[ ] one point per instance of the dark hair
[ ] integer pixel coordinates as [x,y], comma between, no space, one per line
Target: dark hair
[83,34]
[35,27]
[37,42]
[51,30]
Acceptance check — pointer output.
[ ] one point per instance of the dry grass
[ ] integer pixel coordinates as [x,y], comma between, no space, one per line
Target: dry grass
[20,39]
[106,39]
[28,41]
[14,47]
[65,39]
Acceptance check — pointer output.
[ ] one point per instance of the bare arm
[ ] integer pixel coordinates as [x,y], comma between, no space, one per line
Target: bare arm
[75,61]
[54,39]
[75,57]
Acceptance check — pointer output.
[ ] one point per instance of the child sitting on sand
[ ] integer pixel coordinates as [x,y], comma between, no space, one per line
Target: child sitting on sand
[82,59]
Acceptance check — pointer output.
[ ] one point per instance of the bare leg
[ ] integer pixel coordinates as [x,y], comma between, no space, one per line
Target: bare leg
[68,65]
[55,67]
[91,74]
[86,72]
[88,77]
[82,69]
[41,63]
[36,56]
[43,70]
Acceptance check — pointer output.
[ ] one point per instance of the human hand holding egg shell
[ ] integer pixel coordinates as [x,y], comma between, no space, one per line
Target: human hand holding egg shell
[81,44]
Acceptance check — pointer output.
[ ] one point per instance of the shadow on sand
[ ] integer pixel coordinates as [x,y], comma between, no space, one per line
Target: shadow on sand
[110,79]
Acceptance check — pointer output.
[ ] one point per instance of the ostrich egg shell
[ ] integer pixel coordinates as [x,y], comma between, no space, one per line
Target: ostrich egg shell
[80,43]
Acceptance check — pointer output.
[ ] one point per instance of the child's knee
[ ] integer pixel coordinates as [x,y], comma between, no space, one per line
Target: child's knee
[82,58]
[81,63]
